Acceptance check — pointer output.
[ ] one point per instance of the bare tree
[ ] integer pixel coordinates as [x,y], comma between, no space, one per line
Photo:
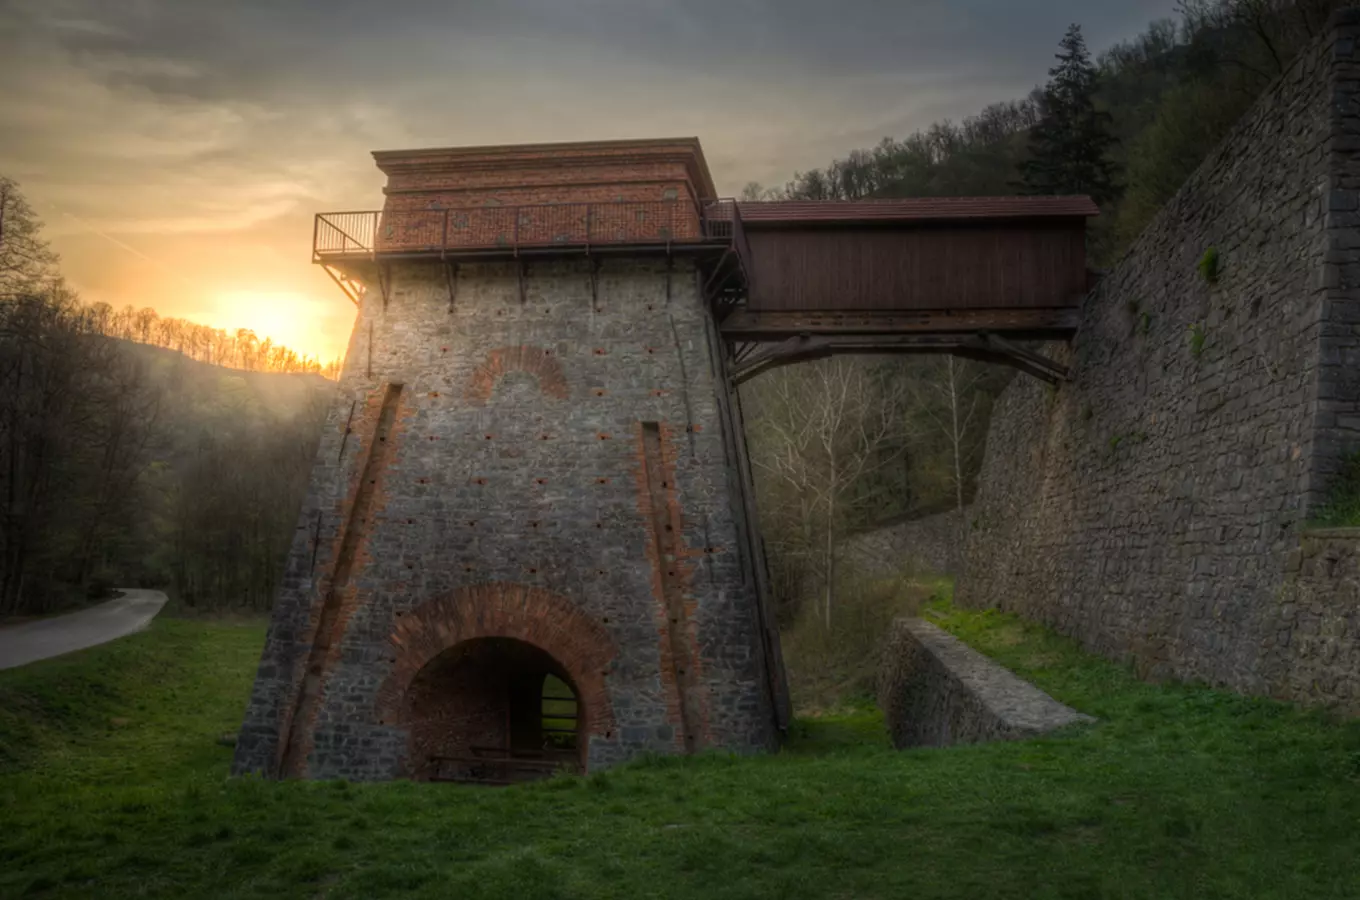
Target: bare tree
[948,395]
[826,425]
[753,191]
[25,258]
[116,453]
[104,477]
[1279,28]
[143,323]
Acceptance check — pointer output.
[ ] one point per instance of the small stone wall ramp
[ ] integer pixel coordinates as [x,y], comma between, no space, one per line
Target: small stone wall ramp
[935,691]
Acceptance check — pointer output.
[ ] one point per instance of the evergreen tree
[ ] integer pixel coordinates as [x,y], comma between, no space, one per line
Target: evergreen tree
[1067,149]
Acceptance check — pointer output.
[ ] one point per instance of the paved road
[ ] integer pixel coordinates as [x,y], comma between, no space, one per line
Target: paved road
[78,630]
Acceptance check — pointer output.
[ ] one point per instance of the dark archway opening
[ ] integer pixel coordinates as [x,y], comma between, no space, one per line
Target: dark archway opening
[494,711]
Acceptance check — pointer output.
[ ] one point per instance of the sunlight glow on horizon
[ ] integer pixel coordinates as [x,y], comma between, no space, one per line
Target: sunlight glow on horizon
[281,316]
[291,305]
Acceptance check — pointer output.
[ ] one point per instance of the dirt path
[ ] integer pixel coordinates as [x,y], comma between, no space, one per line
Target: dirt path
[76,631]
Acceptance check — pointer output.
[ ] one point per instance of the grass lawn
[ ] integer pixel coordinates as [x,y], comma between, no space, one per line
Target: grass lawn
[112,784]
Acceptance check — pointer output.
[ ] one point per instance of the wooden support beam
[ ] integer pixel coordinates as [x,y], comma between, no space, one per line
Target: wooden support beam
[989,356]
[346,284]
[981,347]
[1005,348]
[791,350]
[740,351]
[750,549]
[748,324]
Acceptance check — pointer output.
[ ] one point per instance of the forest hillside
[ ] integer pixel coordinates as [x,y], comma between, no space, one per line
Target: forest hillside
[127,464]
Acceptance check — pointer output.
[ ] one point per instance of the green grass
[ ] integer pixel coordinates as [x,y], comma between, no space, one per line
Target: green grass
[1177,792]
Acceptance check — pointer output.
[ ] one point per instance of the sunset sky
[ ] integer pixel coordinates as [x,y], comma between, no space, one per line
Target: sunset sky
[177,149]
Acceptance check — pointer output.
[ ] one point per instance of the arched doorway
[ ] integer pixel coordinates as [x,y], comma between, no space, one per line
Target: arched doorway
[477,655]
[493,710]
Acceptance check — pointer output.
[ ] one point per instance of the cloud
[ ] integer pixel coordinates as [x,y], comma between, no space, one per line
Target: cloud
[186,123]
[166,86]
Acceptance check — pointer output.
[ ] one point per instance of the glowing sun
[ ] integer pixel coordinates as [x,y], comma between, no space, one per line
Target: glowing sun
[285,317]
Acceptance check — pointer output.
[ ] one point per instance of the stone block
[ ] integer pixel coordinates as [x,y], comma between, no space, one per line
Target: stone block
[935,691]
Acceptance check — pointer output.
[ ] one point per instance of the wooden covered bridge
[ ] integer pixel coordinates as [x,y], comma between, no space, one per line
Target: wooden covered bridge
[786,280]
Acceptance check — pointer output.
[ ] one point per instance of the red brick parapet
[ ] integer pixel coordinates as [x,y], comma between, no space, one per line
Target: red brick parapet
[453,170]
[592,192]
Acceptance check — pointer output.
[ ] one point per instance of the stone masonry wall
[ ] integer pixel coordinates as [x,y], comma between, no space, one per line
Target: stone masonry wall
[1150,506]
[930,543]
[486,470]
[1319,618]
[935,690]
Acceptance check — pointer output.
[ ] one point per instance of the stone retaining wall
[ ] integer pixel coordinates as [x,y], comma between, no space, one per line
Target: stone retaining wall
[1317,624]
[1152,507]
[930,543]
[935,690]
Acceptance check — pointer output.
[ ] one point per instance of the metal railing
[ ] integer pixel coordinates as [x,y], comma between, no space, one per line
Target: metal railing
[344,233]
[540,226]
[719,217]
[724,217]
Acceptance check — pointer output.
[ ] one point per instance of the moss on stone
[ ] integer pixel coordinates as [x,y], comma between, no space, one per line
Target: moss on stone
[1208,265]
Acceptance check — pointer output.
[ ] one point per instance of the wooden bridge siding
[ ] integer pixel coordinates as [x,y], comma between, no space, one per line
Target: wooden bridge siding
[931,266]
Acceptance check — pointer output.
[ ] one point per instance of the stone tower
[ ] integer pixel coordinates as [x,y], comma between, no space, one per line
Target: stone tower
[528,540]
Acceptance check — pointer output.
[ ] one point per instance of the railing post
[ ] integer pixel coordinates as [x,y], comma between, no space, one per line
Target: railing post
[444,236]
[316,231]
[590,207]
[515,241]
[373,237]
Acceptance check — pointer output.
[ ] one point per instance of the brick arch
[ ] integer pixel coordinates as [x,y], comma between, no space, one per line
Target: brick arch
[546,620]
[536,361]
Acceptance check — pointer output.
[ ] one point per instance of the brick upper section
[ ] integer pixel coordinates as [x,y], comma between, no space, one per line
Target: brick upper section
[516,175]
